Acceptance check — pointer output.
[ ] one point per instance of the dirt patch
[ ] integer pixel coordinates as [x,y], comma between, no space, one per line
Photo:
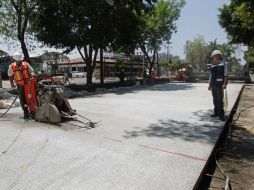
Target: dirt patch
[236,159]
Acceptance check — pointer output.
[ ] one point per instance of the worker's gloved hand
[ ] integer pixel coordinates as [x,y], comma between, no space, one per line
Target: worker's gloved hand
[209,88]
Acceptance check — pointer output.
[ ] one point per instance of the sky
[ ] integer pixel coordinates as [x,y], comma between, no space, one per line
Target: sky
[198,17]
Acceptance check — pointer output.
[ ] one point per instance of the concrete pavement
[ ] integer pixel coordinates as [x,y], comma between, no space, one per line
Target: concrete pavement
[149,138]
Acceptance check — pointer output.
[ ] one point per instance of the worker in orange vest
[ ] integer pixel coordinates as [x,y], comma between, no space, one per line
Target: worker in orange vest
[20,71]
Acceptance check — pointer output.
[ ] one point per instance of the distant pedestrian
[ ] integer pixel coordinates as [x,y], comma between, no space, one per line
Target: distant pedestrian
[217,83]
[145,75]
[122,76]
[66,78]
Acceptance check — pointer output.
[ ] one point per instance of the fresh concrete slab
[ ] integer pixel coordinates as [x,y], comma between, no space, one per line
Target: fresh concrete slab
[149,138]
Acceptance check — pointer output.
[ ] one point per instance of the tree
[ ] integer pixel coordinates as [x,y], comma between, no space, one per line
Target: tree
[249,56]
[196,53]
[237,18]
[14,21]
[228,53]
[88,26]
[158,27]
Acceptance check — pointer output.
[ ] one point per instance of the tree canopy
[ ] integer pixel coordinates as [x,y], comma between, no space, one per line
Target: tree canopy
[237,18]
[158,26]
[89,26]
[198,53]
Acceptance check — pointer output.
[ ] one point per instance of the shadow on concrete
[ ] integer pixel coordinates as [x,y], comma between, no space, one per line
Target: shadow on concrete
[159,87]
[202,128]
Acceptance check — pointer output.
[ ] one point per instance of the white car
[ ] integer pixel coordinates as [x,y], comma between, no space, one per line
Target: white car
[76,74]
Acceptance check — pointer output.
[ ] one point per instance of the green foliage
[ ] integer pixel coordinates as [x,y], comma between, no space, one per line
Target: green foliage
[158,26]
[120,64]
[196,53]
[234,64]
[14,21]
[237,18]
[228,50]
[7,18]
[249,56]
[170,65]
[89,25]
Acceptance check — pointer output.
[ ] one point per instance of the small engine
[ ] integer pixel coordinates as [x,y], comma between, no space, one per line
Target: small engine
[52,104]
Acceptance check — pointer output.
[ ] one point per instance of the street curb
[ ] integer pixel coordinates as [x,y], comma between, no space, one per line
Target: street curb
[210,166]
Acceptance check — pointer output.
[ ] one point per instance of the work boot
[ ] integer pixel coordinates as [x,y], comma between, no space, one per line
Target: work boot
[26,116]
[32,114]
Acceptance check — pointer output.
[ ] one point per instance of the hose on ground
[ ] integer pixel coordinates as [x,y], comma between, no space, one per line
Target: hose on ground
[9,107]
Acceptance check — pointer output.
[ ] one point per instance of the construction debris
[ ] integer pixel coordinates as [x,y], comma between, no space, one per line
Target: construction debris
[6,100]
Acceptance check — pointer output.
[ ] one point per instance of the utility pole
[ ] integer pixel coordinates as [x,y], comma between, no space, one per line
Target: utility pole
[187,48]
[167,52]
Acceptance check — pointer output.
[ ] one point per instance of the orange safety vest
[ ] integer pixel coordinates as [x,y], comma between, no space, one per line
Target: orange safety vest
[21,73]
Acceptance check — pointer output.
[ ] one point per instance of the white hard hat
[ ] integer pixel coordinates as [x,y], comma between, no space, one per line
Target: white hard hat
[216,52]
[18,56]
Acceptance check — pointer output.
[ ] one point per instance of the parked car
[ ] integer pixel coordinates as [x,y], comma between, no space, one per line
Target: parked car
[76,74]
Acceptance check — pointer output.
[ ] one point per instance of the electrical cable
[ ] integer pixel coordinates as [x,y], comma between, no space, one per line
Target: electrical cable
[9,107]
[227,185]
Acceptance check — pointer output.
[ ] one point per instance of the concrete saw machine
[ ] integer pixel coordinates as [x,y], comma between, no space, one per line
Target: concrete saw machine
[47,102]
[52,104]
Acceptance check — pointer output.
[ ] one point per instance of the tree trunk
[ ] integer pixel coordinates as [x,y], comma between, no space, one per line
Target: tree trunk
[158,65]
[88,61]
[101,67]
[89,73]
[25,51]
[151,63]
[143,48]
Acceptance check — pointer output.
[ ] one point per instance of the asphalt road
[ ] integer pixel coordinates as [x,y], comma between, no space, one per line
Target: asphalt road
[148,138]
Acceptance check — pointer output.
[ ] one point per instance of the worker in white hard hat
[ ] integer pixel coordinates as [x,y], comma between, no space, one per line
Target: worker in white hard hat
[218,82]
[20,72]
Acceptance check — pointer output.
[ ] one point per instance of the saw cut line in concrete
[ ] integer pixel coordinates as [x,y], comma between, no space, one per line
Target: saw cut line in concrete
[13,141]
[174,153]
[112,139]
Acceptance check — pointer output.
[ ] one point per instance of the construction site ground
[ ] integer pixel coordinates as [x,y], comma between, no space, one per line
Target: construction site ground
[236,157]
[157,137]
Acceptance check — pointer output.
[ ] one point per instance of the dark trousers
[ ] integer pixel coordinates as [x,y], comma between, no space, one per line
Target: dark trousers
[217,93]
[22,98]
